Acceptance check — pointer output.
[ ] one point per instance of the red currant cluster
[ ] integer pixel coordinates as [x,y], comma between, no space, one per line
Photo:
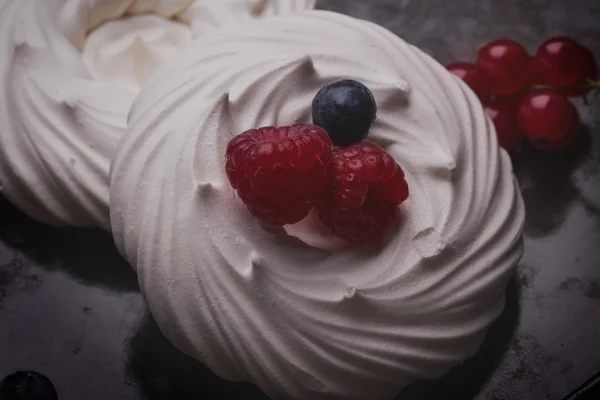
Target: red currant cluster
[528,96]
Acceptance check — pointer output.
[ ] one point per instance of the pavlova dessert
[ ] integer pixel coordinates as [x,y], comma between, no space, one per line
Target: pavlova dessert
[317,207]
[69,70]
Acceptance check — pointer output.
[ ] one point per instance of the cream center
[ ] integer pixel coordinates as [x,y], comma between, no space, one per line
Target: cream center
[129,50]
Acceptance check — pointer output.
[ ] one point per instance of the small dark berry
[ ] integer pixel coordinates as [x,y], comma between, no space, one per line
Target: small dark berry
[345,109]
[27,385]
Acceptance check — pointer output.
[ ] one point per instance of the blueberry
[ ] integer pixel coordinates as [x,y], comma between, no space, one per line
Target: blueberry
[27,385]
[345,109]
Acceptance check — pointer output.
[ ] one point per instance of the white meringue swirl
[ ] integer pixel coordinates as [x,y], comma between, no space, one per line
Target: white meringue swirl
[299,320]
[69,70]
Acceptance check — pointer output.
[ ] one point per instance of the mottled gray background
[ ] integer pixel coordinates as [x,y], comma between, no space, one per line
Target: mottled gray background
[71,308]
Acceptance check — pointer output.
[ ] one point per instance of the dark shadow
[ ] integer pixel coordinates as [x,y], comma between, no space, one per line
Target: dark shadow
[589,390]
[546,184]
[162,372]
[466,381]
[88,255]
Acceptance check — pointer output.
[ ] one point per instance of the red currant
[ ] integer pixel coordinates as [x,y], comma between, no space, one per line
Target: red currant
[562,143]
[547,118]
[590,67]
[561,61]
[590,70]
[503,112]
[506,66]
[470,74]
[558,62]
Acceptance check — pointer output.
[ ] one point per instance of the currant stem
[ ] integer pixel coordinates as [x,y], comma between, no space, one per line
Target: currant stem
[481,46]
[591,85]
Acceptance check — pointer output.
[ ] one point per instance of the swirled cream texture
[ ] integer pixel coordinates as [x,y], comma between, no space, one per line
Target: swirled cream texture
[287,313]
[69,70]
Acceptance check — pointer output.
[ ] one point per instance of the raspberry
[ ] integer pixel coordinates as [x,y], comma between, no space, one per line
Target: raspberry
[367,186]
[280,173]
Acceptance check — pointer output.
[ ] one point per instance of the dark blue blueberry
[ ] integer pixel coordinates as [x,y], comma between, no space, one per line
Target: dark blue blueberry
[345,109]
[27,385]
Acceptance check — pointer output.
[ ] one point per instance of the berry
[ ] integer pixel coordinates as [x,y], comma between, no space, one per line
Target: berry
[470,74]
[562,143]
[503,112]
[558,62]
[368,185]
[280,172]
[589,66]
[505,65]
[561,61]
[547,118]
[27,385]
[345,109]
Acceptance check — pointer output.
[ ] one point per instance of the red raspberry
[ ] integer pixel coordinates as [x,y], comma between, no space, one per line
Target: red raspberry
[280,173]
[367,187]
